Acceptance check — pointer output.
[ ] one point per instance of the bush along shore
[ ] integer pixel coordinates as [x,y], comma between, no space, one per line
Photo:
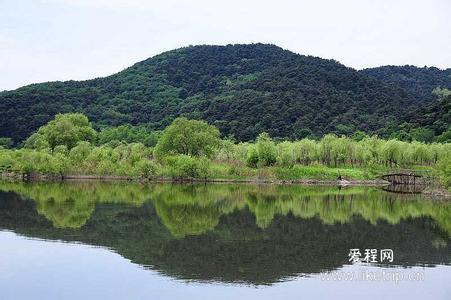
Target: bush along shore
[68,147]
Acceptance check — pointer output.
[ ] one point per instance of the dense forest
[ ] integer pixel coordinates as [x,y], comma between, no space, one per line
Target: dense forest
[243,90]
[419,82]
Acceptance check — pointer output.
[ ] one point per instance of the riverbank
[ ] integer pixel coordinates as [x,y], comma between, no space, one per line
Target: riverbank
[312,181]
[432,191]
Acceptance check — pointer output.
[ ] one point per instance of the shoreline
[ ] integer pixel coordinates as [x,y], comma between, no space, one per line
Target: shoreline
[308,181]
[433,192]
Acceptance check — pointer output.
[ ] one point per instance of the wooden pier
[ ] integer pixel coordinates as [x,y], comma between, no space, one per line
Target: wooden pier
[404,188]
[403,178]
[408,177]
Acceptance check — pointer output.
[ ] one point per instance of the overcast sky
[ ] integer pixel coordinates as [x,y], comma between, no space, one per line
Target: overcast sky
[46,40]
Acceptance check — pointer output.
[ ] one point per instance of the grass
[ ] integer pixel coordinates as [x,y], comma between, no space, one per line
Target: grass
[320,172]
[223,170]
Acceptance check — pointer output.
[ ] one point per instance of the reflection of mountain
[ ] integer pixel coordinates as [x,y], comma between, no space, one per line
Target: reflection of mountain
[231,233]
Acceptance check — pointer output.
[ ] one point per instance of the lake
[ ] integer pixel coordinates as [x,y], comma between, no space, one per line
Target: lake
[118,240]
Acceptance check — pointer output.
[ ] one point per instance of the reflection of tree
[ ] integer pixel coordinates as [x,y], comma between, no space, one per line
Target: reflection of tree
[333,208]
[235,248]
[182,220]
[263,206]
[192,210]
[69,213]
[196,209]
[71,205]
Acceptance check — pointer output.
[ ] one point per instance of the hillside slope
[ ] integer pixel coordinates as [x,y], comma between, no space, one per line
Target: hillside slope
[242,89]
[419,82]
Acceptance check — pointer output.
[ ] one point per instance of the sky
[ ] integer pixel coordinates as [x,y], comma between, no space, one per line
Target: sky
[48,40]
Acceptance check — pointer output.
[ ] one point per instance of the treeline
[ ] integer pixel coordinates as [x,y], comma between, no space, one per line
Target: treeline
[334,151]
[68,145]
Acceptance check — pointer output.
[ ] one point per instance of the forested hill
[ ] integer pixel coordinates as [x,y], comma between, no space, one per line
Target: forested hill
[417,81]
[242,89]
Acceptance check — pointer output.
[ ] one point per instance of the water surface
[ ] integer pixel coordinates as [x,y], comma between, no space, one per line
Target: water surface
[119,240]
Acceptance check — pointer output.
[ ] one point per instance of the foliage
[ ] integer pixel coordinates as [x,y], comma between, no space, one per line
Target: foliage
[444,170]
[188,137]
[252,157]
[128,134]
[445,137]
[65,129]
[6,142]
[430,122]
[264,152]
[185,166]
[418,82]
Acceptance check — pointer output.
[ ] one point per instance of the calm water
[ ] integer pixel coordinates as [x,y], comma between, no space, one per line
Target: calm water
[132,241]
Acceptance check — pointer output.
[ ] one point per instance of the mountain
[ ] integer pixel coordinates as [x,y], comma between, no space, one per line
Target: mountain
[242,89]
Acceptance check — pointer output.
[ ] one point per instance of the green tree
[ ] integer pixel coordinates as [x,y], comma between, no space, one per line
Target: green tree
[188,137]
[65,129]
[6,142]
[128,134]
[146,168]
[266,150]
[252,157]
[80,152]
[444,170]
[305,151]
[359,135]
[182,166]
[422,134]
[285,154]
[445,137]
[391,152]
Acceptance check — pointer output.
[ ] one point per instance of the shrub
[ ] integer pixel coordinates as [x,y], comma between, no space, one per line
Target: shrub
[146,168]
[252,157]
[444,170]
[266,150]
